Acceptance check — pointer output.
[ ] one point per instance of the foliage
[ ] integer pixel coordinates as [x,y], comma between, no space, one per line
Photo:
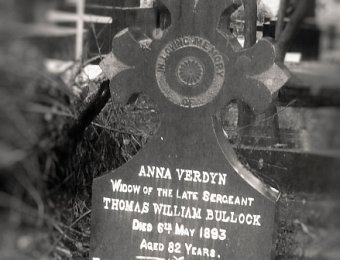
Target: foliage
[50,194]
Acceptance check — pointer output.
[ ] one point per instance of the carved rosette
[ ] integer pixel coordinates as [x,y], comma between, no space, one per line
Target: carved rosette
[190,71]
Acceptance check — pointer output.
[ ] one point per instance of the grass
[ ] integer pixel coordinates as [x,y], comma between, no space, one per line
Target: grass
[45,198]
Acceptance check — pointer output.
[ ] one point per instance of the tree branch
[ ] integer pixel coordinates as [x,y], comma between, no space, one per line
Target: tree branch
[280,19]
[76,131]
[85,118]
[292,27]
[250,14]
[245,115]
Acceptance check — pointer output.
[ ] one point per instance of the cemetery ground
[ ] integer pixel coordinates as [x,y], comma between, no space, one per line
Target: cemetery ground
[46,173]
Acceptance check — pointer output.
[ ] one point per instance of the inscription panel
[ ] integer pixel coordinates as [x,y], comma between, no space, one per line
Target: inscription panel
[173,207]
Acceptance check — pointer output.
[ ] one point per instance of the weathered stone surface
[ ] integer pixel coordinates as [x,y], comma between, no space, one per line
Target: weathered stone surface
[186,195]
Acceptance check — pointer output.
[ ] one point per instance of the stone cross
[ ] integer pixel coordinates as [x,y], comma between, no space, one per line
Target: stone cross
[186,195]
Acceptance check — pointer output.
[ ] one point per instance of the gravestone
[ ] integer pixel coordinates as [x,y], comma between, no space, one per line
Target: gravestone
[186,195]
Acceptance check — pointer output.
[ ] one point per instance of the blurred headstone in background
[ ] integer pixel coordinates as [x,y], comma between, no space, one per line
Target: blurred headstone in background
[327,15]
[309,32]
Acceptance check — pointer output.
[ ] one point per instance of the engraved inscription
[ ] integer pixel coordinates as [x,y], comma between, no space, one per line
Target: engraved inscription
[180,214]
[190,71]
